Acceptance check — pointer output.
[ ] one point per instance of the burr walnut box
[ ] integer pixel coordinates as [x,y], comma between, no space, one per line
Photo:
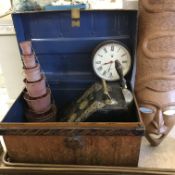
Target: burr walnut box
[65,55]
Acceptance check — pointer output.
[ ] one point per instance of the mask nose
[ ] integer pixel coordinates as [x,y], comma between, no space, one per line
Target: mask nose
[158,122]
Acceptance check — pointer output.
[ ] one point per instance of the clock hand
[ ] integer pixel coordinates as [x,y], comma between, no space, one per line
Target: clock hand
[110,67]
[110,62]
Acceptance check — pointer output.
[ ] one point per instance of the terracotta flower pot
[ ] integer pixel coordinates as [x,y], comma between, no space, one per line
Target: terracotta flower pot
[40,104]
[36,89]
[48,116]
[26,47]
[33,74]
[29,61]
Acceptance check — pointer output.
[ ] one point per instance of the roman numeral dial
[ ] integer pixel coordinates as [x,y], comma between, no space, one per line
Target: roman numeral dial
[104,57]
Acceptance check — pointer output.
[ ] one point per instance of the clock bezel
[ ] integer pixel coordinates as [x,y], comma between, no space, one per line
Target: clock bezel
[105,43]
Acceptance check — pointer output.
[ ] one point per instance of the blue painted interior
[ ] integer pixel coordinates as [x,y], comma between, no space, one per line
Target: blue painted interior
[64,52]
[16,112]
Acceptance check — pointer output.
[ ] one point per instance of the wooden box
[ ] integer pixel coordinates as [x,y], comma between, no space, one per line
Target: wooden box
[64,53]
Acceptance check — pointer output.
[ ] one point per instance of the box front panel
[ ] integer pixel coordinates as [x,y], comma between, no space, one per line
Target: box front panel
[81,150]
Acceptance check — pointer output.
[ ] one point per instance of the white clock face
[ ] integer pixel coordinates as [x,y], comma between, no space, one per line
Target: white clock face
[104,60]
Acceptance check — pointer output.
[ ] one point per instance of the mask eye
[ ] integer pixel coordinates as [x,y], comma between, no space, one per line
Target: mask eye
[146,110]
[170,111]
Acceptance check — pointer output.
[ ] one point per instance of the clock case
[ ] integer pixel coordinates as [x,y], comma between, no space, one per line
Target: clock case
[65,55]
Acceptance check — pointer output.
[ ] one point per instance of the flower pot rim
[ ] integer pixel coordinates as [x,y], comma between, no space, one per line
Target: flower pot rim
[51,110]
[33,82]
[28,55]
[33,68]
[27,97]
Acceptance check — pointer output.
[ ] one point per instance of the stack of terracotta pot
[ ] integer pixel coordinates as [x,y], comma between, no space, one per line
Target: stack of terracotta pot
[40,107]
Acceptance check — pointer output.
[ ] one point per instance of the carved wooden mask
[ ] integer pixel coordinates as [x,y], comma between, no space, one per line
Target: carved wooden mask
[155,75]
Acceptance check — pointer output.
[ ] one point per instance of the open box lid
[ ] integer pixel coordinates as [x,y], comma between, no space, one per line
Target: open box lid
[65,52]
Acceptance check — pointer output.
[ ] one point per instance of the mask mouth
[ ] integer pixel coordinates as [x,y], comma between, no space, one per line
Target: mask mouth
[155,139]
[156,136]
